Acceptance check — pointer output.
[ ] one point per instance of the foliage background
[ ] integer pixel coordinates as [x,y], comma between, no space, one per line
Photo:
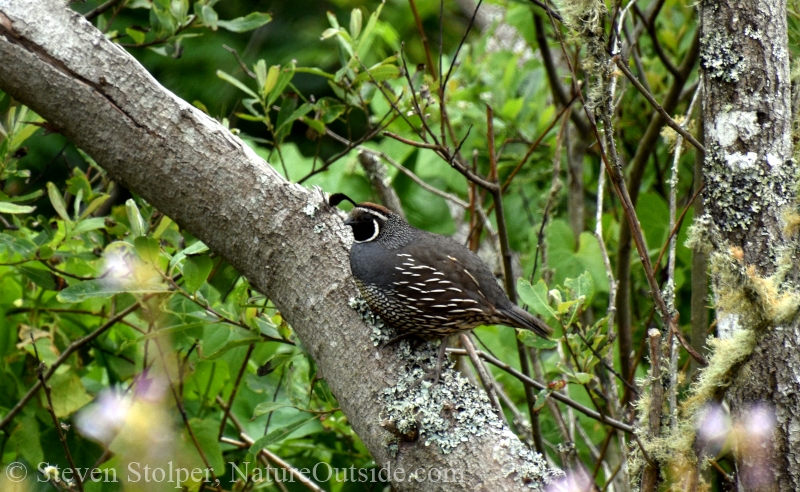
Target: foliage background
[77,250]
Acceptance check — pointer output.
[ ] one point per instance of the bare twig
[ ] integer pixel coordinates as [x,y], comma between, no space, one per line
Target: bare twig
[100,9]
[185,417]
[239,60]
[40,370]
[424,38]
[376,173]
[235,389]
[527,381]
[671,122]
[482,373]
[650,474]
[249,441]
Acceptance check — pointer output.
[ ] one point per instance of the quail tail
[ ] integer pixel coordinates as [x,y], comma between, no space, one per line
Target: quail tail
[525,320]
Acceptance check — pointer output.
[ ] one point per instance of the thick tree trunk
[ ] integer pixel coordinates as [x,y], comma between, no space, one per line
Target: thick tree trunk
[750,188]
[282,237]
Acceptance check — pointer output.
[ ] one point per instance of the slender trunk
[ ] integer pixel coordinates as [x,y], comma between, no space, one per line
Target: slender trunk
[750,189]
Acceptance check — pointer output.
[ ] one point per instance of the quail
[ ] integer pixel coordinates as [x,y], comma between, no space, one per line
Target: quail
[425,284]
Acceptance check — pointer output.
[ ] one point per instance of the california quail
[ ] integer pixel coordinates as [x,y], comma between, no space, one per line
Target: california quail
[422,283]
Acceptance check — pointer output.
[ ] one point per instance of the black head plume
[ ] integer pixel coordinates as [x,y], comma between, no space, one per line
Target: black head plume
[338,198]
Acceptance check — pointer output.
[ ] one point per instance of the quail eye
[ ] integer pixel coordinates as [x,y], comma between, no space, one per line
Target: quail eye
[365,231]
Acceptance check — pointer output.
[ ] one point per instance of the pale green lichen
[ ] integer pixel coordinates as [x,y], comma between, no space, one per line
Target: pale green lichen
[740,187]
[586,19]
[675,449]
[448,414]
[532,473]
[720,57]
[311,208]
[756,301]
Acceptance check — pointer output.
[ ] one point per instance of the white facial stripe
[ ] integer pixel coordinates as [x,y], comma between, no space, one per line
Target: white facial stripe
[375,234]
[373,212]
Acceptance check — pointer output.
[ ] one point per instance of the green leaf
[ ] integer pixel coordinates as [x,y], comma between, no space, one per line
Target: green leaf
[541,400]
[565,306]
[355,22]
[45,252]
[329,33]
[251,21]
[316,125]
[25,439]
[582,377]
[569,263]
[58,201]
[207,15]
[21,246]
[232,345]
[532,340]
[40,276]
[278,435]
[260,69]
[379,73]
[163,224]
[194,249]
[284,77]
[366,36]
[332,19]
[103,288]
[205,431]
[96,203]
[138,226]
[235,82]
[68,393]
[136,35]
[10,208]
[267,407]
[195,272]
[271,79]
[88,225]
[147,248]
[23,198]
[535,296]
[583,286]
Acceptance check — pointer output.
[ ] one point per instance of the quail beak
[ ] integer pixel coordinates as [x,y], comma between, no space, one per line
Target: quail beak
[349,222]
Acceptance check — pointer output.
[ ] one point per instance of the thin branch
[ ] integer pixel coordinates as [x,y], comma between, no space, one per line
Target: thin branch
[100,9]
[40,369]
[424,38]
[672,123]
[239,60]
[235,389]
[249,441]
[421,145]
[508,275]
[527,381]
[185,417]
[491,391]
[552,13]
[650,474]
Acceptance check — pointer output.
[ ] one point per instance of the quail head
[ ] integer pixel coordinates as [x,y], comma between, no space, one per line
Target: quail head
[422,283]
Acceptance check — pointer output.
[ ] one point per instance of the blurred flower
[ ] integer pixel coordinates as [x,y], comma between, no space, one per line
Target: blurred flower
[576,480]
[713,431]
[136,423]
[103,420]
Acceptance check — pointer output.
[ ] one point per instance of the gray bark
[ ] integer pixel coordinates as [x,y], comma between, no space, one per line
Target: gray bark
[750,186]
[282,237]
